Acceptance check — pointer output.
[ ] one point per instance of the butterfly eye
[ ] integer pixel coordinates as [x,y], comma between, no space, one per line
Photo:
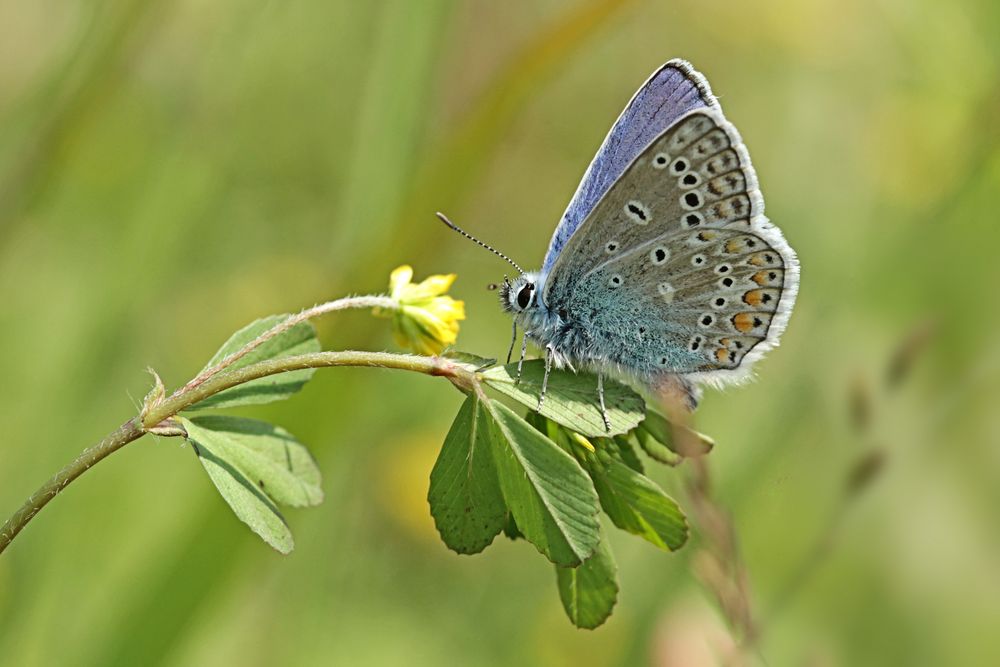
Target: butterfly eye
[524,296]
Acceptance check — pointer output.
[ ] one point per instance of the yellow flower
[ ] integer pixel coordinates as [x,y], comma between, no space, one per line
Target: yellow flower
[425,318]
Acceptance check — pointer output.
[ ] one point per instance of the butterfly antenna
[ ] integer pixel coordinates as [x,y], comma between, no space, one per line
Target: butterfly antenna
[445,220]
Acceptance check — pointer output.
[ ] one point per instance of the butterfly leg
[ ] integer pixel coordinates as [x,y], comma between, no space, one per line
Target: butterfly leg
[513,339]
[524,351]
[545,378]
[600,397]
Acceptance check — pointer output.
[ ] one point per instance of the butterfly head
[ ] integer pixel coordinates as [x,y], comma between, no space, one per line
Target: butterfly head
[521,294]
[518,296]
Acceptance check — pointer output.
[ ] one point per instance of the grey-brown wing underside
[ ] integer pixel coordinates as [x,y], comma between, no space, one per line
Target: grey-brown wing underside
[676,270]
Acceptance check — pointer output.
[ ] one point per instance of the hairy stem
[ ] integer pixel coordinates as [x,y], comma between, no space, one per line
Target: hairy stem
[188,395]
[228,379]
[302,316]
[124,434]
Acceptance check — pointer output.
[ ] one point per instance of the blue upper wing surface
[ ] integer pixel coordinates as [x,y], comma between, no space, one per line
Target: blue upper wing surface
[672,91]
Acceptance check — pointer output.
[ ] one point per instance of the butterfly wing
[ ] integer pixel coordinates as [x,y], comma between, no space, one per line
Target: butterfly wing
[676,270]
[672,91]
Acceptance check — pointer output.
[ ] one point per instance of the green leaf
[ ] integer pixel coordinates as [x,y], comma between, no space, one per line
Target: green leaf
[300,339]
[268,455]
[511,530]
[622,448]
[473,361]
[589,592]
[465,497]
[656,449]
[551,498]
[636,504]
[551,430]
[656,437]
[571,398]
[255,466]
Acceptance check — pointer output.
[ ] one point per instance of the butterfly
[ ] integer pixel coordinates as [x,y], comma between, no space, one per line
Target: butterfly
[663,268]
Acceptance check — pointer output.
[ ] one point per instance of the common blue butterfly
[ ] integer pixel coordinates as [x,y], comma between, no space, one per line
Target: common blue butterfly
[663,267]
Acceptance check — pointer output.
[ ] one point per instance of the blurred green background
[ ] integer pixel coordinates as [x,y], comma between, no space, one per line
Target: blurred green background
[170,171]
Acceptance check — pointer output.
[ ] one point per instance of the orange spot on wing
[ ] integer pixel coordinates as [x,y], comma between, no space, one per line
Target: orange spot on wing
[766,258]
[753,297]
[743,322]
[721,354]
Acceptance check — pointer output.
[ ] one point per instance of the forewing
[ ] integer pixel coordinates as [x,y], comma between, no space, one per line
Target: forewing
[688,275]
[672,91]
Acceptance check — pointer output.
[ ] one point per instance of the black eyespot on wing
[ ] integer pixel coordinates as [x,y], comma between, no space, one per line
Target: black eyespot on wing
[635,210]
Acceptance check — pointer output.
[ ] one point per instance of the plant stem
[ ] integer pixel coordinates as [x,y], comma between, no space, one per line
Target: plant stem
[302,316]
[228,379]
[124,434]
[190,394]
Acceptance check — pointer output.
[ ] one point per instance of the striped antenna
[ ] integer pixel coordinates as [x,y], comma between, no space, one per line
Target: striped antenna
[469,236]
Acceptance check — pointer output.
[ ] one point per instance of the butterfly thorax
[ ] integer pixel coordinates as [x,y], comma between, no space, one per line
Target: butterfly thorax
[567,332]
